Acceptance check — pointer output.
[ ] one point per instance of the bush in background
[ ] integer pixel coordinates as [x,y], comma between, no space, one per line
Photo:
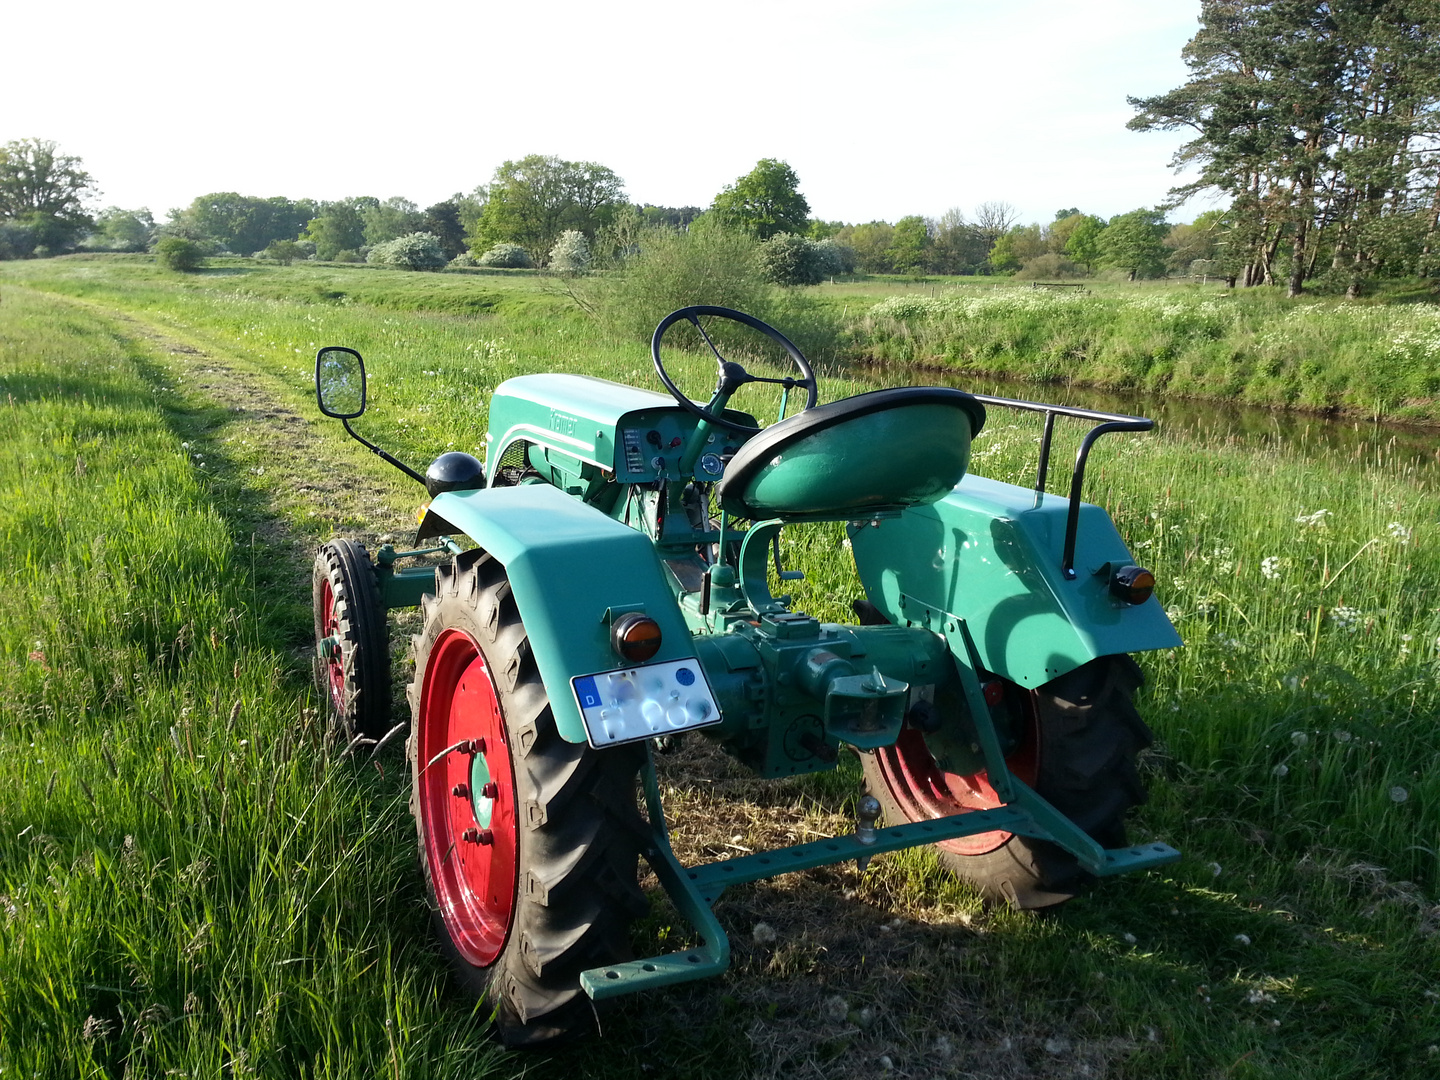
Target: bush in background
[508,256]
[415,251]
[571,253]
[787,259]
[463,261]
[1049,265]
[835,258]
[179,254]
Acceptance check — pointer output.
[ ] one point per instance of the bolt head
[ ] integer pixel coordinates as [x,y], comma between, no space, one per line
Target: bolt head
[490,790]
[460,791]
[471,836]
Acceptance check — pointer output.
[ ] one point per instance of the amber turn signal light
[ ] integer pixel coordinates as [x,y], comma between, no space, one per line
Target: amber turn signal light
[1132,584]
[635,637]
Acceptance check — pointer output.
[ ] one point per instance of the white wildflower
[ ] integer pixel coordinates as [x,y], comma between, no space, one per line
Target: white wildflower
[1315,520]
[1270,567]
[1399,531]
[1345,618]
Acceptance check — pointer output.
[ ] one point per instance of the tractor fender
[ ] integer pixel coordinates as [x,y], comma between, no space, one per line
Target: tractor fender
[990,553]
[572,570]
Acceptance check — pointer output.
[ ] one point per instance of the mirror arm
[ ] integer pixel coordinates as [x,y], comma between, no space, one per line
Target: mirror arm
[383,455]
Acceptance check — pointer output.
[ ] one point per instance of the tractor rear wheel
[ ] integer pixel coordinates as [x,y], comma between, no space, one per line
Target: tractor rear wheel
[1079,736]
[529,844]
[352,647]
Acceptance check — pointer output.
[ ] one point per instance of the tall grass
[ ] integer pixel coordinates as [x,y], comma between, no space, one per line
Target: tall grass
[189,883]
[1372,360]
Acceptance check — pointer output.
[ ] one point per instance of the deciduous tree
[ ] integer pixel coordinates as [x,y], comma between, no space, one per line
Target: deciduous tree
[44,191]
[1135,242]
[765,201]
[533,200]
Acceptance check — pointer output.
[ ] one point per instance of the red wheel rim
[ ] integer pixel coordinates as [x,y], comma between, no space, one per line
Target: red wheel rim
[923,790]
[467,798]
[335,662]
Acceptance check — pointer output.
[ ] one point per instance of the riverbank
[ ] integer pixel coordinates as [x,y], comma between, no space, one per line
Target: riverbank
[1377,361]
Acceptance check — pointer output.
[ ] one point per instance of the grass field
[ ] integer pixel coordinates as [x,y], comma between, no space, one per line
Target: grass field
[194,884]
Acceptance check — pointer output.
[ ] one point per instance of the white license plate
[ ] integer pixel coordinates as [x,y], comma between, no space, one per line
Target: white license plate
[642,702]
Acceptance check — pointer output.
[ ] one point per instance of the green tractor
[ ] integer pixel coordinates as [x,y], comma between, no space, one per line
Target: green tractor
[615,594]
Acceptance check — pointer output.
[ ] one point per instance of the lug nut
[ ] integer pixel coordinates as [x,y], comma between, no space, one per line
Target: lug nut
[478,836]
[460,791]
[490,790]
[470,746]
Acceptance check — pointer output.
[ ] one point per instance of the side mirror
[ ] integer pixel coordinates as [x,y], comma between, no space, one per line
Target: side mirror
[340,382]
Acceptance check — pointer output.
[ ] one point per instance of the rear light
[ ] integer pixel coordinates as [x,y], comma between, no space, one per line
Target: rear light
[1132,584]
[635,637]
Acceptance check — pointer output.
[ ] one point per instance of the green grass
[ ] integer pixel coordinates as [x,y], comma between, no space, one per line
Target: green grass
[190,882]
[1298,937]
[1371,360]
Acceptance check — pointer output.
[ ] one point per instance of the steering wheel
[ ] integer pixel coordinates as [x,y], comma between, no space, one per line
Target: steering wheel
[732,375]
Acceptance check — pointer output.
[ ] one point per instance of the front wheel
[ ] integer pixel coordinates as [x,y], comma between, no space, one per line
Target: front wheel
[1078,738]
[529,844]
[352,648]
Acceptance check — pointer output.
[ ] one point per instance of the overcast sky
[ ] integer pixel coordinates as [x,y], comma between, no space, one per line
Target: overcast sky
[882,107]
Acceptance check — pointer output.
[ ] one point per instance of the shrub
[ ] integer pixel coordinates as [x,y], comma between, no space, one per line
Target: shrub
[462,261]
[571,253]
[674,269]
[283,252]
[787,259]
[835,258]
[509,256]
[17,240]
[415,251]
[1048,265]
[348,255]
[178,254]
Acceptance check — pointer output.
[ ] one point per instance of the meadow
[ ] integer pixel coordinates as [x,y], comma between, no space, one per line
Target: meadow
[195,883]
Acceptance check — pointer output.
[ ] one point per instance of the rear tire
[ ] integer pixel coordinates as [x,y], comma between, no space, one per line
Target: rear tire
[535,881]
[354,681]
[1079,753]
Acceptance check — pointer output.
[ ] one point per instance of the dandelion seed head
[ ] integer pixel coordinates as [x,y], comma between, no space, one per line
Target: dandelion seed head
[1280,770]
[1214,869]
[1299,738]
[1398,794]
[1242,939]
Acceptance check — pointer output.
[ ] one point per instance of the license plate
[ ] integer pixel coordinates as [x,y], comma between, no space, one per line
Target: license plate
[642,702]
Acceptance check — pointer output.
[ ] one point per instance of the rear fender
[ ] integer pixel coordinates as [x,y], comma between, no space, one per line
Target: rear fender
[572,569]
[990,553]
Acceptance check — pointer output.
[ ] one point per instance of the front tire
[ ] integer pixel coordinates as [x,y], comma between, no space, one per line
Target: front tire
[529,844]
[1079,738]
[352,646]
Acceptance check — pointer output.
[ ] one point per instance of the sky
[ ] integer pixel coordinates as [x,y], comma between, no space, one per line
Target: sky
[882,107]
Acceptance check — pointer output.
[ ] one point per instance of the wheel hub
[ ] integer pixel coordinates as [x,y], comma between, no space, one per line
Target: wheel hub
[467,799]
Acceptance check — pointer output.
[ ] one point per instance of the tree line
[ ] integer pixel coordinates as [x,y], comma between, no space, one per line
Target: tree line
[540,211]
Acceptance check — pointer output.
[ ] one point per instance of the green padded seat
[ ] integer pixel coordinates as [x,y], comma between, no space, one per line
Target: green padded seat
[884,450]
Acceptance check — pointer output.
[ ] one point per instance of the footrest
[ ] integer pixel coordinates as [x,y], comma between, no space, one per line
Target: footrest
[666,970]
[1139,857]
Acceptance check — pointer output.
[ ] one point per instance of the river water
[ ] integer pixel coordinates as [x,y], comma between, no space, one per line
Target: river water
[1206,421]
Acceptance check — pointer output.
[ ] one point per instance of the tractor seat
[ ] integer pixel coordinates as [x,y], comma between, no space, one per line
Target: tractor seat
[883,450]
